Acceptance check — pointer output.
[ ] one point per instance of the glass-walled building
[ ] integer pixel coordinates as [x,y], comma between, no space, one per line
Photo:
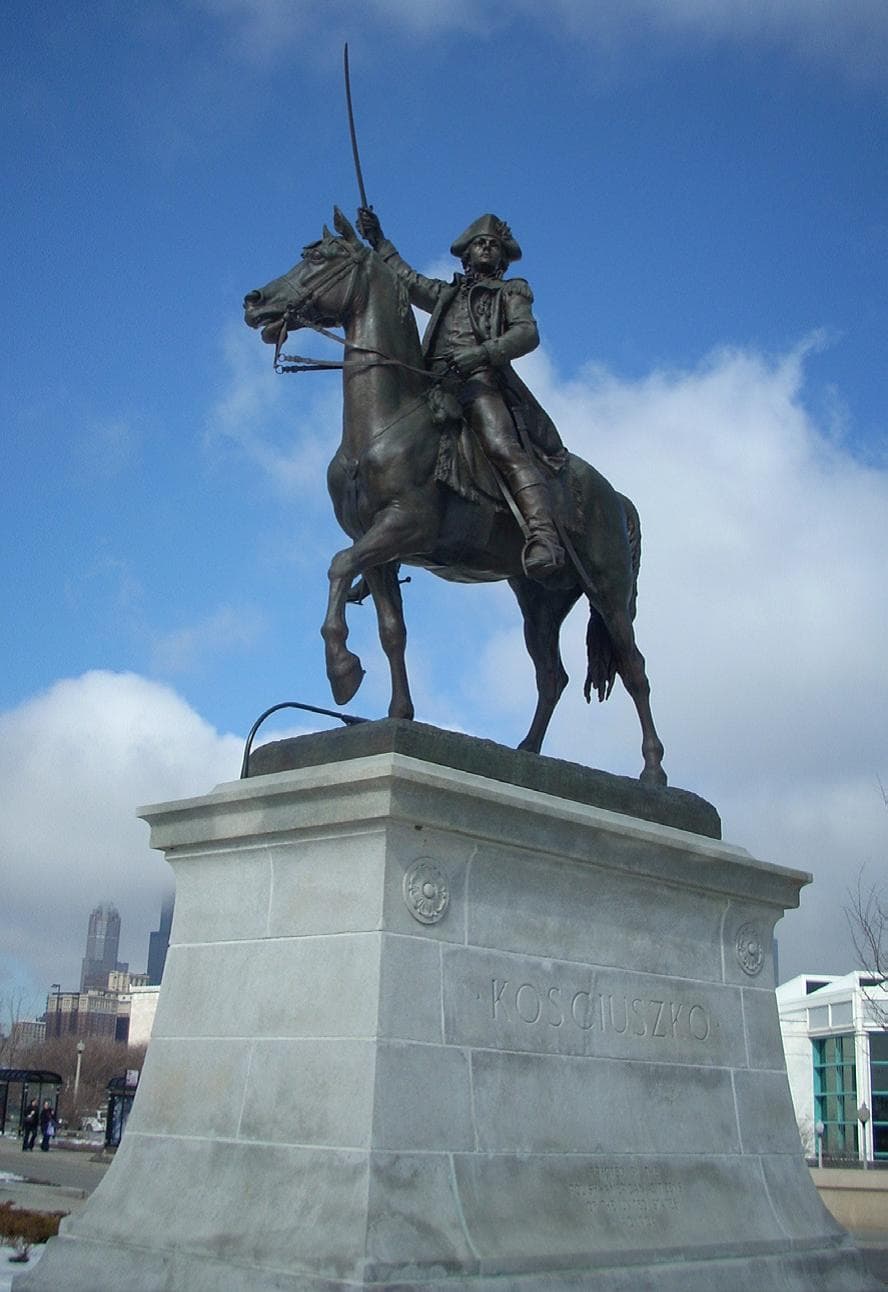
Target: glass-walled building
[835,1093]
[835,1035]
[879,1081]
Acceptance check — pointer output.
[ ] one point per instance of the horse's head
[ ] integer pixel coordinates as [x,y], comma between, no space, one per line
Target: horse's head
[317,291]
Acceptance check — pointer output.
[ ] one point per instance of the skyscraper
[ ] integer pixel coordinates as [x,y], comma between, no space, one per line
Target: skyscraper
[101,948]
[159,941]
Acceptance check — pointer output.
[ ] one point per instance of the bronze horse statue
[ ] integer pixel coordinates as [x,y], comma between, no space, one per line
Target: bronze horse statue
[388,496]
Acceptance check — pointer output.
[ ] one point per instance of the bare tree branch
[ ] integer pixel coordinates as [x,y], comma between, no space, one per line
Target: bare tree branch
[867,917]
[866,913]
[12,1012]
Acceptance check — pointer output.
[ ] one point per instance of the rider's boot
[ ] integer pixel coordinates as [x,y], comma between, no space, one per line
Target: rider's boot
[543,554]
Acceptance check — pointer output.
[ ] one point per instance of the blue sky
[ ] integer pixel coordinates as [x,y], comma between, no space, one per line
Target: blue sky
[700,192]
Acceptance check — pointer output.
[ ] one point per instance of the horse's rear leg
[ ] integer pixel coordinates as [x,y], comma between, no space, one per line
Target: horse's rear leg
[544,612]
[385,589]
[630,666]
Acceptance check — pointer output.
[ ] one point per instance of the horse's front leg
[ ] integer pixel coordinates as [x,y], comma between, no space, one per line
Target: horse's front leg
[393,533]
[344,669]
[386,592]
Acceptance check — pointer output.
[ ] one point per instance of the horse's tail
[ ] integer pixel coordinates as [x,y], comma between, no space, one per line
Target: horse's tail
[601,670]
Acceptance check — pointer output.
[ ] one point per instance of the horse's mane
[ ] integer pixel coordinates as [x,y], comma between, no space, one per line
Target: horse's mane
[402,298]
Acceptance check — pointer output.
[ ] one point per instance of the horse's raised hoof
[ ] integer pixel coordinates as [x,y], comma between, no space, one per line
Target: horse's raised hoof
[653,776]
[345,678]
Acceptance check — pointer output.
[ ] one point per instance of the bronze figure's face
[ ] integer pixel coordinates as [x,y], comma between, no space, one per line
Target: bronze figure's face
[485,255]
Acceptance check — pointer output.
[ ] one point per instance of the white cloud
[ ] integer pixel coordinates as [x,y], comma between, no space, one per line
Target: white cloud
[852,38]
[430,16]
[278,423]
[762,542]
[229,629]
[75,763]
[262,31]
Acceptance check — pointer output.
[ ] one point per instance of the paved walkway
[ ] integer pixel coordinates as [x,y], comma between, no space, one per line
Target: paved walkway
[60,1180]
[874,1247]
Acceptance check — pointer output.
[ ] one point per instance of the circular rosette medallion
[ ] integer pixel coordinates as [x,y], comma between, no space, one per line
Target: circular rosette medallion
[426,891]
[750,949]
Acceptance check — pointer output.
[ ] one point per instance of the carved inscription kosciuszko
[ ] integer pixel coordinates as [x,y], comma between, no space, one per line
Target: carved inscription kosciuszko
[515,1001]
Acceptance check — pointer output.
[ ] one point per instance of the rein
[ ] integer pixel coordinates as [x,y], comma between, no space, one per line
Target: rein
[303,363]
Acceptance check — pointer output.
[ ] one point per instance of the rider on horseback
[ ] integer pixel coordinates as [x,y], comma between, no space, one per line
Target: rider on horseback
[479,323]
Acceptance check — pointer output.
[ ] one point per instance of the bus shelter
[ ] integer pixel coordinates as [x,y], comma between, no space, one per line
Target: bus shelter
[121,1092]
[18,1086]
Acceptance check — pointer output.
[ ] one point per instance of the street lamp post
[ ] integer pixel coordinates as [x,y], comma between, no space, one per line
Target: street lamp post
[863,1116]
[80,1048]
[56,988]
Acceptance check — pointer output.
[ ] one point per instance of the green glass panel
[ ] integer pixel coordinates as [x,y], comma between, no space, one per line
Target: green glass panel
[880,1140]
[879,1046]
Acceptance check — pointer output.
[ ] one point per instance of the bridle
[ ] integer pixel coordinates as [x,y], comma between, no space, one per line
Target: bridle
[300,316]
[305,314]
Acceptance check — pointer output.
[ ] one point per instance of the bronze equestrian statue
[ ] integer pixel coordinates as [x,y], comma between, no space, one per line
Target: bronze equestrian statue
[447,462]
[479,323]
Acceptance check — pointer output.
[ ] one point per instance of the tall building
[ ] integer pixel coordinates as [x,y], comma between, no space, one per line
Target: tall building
[82,1013]
[158,943]
[102,942]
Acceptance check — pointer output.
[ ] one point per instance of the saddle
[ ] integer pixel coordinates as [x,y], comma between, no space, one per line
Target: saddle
[463,467]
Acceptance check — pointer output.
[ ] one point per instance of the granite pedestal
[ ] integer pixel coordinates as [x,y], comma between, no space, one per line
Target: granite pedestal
[424,1028]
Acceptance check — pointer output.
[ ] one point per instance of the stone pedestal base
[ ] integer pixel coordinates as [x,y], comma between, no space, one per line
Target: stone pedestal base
[424,1029]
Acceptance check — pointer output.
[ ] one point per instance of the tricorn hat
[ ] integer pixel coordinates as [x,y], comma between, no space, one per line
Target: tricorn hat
[487,226]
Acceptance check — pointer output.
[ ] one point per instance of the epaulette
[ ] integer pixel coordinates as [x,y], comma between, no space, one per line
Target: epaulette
[518,287]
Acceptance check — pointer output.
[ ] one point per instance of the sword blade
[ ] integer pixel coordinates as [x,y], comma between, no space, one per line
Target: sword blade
[351,130]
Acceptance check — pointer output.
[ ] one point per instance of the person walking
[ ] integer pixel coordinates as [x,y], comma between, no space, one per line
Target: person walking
[30,1123]
[47,1125]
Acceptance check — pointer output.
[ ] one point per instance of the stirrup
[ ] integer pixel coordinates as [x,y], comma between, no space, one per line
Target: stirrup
[551,560]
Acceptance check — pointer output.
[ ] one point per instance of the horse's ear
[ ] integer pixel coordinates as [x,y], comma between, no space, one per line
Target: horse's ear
[326,234]
[343,226]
